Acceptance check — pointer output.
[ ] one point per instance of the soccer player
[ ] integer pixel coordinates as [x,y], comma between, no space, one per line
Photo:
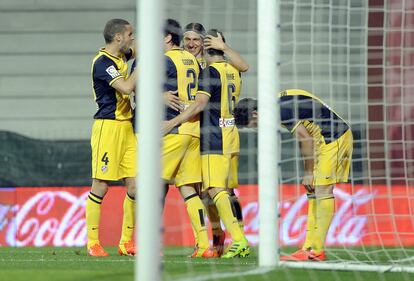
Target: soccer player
[196,41]
[326,144]
[181,146]
[113,140]
[218,92]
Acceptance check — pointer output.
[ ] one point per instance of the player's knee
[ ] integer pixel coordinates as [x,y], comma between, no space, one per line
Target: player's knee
[324,191]
[213,191]
[187,191]
[99,187]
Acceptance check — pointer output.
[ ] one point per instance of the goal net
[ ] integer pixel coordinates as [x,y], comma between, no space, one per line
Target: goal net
[356,56]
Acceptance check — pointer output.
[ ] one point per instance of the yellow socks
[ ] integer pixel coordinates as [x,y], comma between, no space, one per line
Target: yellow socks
[310,226]
[212,214]
[325,208]
[237,211]
[224,206]
[128,221]
[93,215]
[196,212]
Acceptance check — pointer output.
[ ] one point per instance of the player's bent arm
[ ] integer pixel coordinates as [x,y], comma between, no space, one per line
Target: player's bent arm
[306,147]
[195,108]
[125,86]
[236,59]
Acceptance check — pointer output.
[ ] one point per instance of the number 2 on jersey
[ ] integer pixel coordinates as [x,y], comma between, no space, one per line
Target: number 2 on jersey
[192,84]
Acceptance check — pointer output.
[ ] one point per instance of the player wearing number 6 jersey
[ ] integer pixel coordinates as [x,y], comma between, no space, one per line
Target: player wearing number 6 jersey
[218,92]
[181,147]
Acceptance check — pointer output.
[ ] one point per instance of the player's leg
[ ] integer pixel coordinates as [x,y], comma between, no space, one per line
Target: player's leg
[93,216]
[304,253]
[126,243]
[196,213]
[188,179]
[233,183]
[219,235]
[105,167]
[128,168]
[216,169]
[333,167]
[325,209]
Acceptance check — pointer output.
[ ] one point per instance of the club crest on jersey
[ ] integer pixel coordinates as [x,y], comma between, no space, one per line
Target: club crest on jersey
[112,71]
[104,169]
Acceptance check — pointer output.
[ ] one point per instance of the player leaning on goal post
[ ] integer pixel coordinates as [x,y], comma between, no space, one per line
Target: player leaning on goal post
[113,140]
[326,144]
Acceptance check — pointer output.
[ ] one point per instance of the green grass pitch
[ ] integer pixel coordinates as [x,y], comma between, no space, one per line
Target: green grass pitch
[59,264]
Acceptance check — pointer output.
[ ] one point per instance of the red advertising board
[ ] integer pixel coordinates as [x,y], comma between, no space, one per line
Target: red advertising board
[365,215]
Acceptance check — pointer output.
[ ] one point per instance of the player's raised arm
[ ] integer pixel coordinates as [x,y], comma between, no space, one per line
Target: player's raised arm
[234,57]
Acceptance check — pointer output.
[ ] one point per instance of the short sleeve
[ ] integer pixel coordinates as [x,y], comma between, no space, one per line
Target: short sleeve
[170,83]
[106,70]
[209,81]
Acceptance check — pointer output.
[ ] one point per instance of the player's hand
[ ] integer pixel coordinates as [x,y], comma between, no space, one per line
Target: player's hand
[211,42]
[308,182]
[167,126]
[173,101]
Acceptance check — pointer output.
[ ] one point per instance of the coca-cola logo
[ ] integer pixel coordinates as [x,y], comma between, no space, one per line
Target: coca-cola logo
[346,228]
[48,218]
[57,217]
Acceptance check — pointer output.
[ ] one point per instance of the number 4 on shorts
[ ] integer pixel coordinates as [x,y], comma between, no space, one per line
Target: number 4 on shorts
[105,159]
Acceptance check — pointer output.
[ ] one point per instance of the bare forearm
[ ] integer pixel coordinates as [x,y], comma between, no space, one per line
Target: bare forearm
[236,59]
[187,114]
[307,150]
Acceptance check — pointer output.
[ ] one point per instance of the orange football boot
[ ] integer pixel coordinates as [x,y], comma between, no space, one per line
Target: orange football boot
[127,249]
[299,255]
[204,253]
[97,251]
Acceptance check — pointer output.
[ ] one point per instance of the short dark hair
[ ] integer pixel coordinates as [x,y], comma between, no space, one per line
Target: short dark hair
[215,52]
[173,28]
[112,27]
[243,112]
[196,27]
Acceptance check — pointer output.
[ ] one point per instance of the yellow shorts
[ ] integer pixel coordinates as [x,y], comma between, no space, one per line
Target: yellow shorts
[181,159]
[114,150]
[220,170]
[333,161]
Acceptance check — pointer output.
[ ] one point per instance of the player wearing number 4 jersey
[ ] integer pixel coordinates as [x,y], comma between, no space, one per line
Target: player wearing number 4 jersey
[113,140]
[218,91]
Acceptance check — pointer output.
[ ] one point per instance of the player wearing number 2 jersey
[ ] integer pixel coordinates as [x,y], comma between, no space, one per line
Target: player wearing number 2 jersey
[218,92]
[181,147]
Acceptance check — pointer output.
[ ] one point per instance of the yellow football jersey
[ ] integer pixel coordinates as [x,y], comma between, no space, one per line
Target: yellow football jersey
[219,135]
[301,107]
[111,104]
[182,72]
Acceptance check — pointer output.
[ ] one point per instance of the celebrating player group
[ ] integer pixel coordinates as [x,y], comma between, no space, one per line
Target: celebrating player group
[201,144]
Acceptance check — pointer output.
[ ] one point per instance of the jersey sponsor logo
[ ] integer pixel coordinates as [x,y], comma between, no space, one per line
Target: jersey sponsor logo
[112,71]
[226,122]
